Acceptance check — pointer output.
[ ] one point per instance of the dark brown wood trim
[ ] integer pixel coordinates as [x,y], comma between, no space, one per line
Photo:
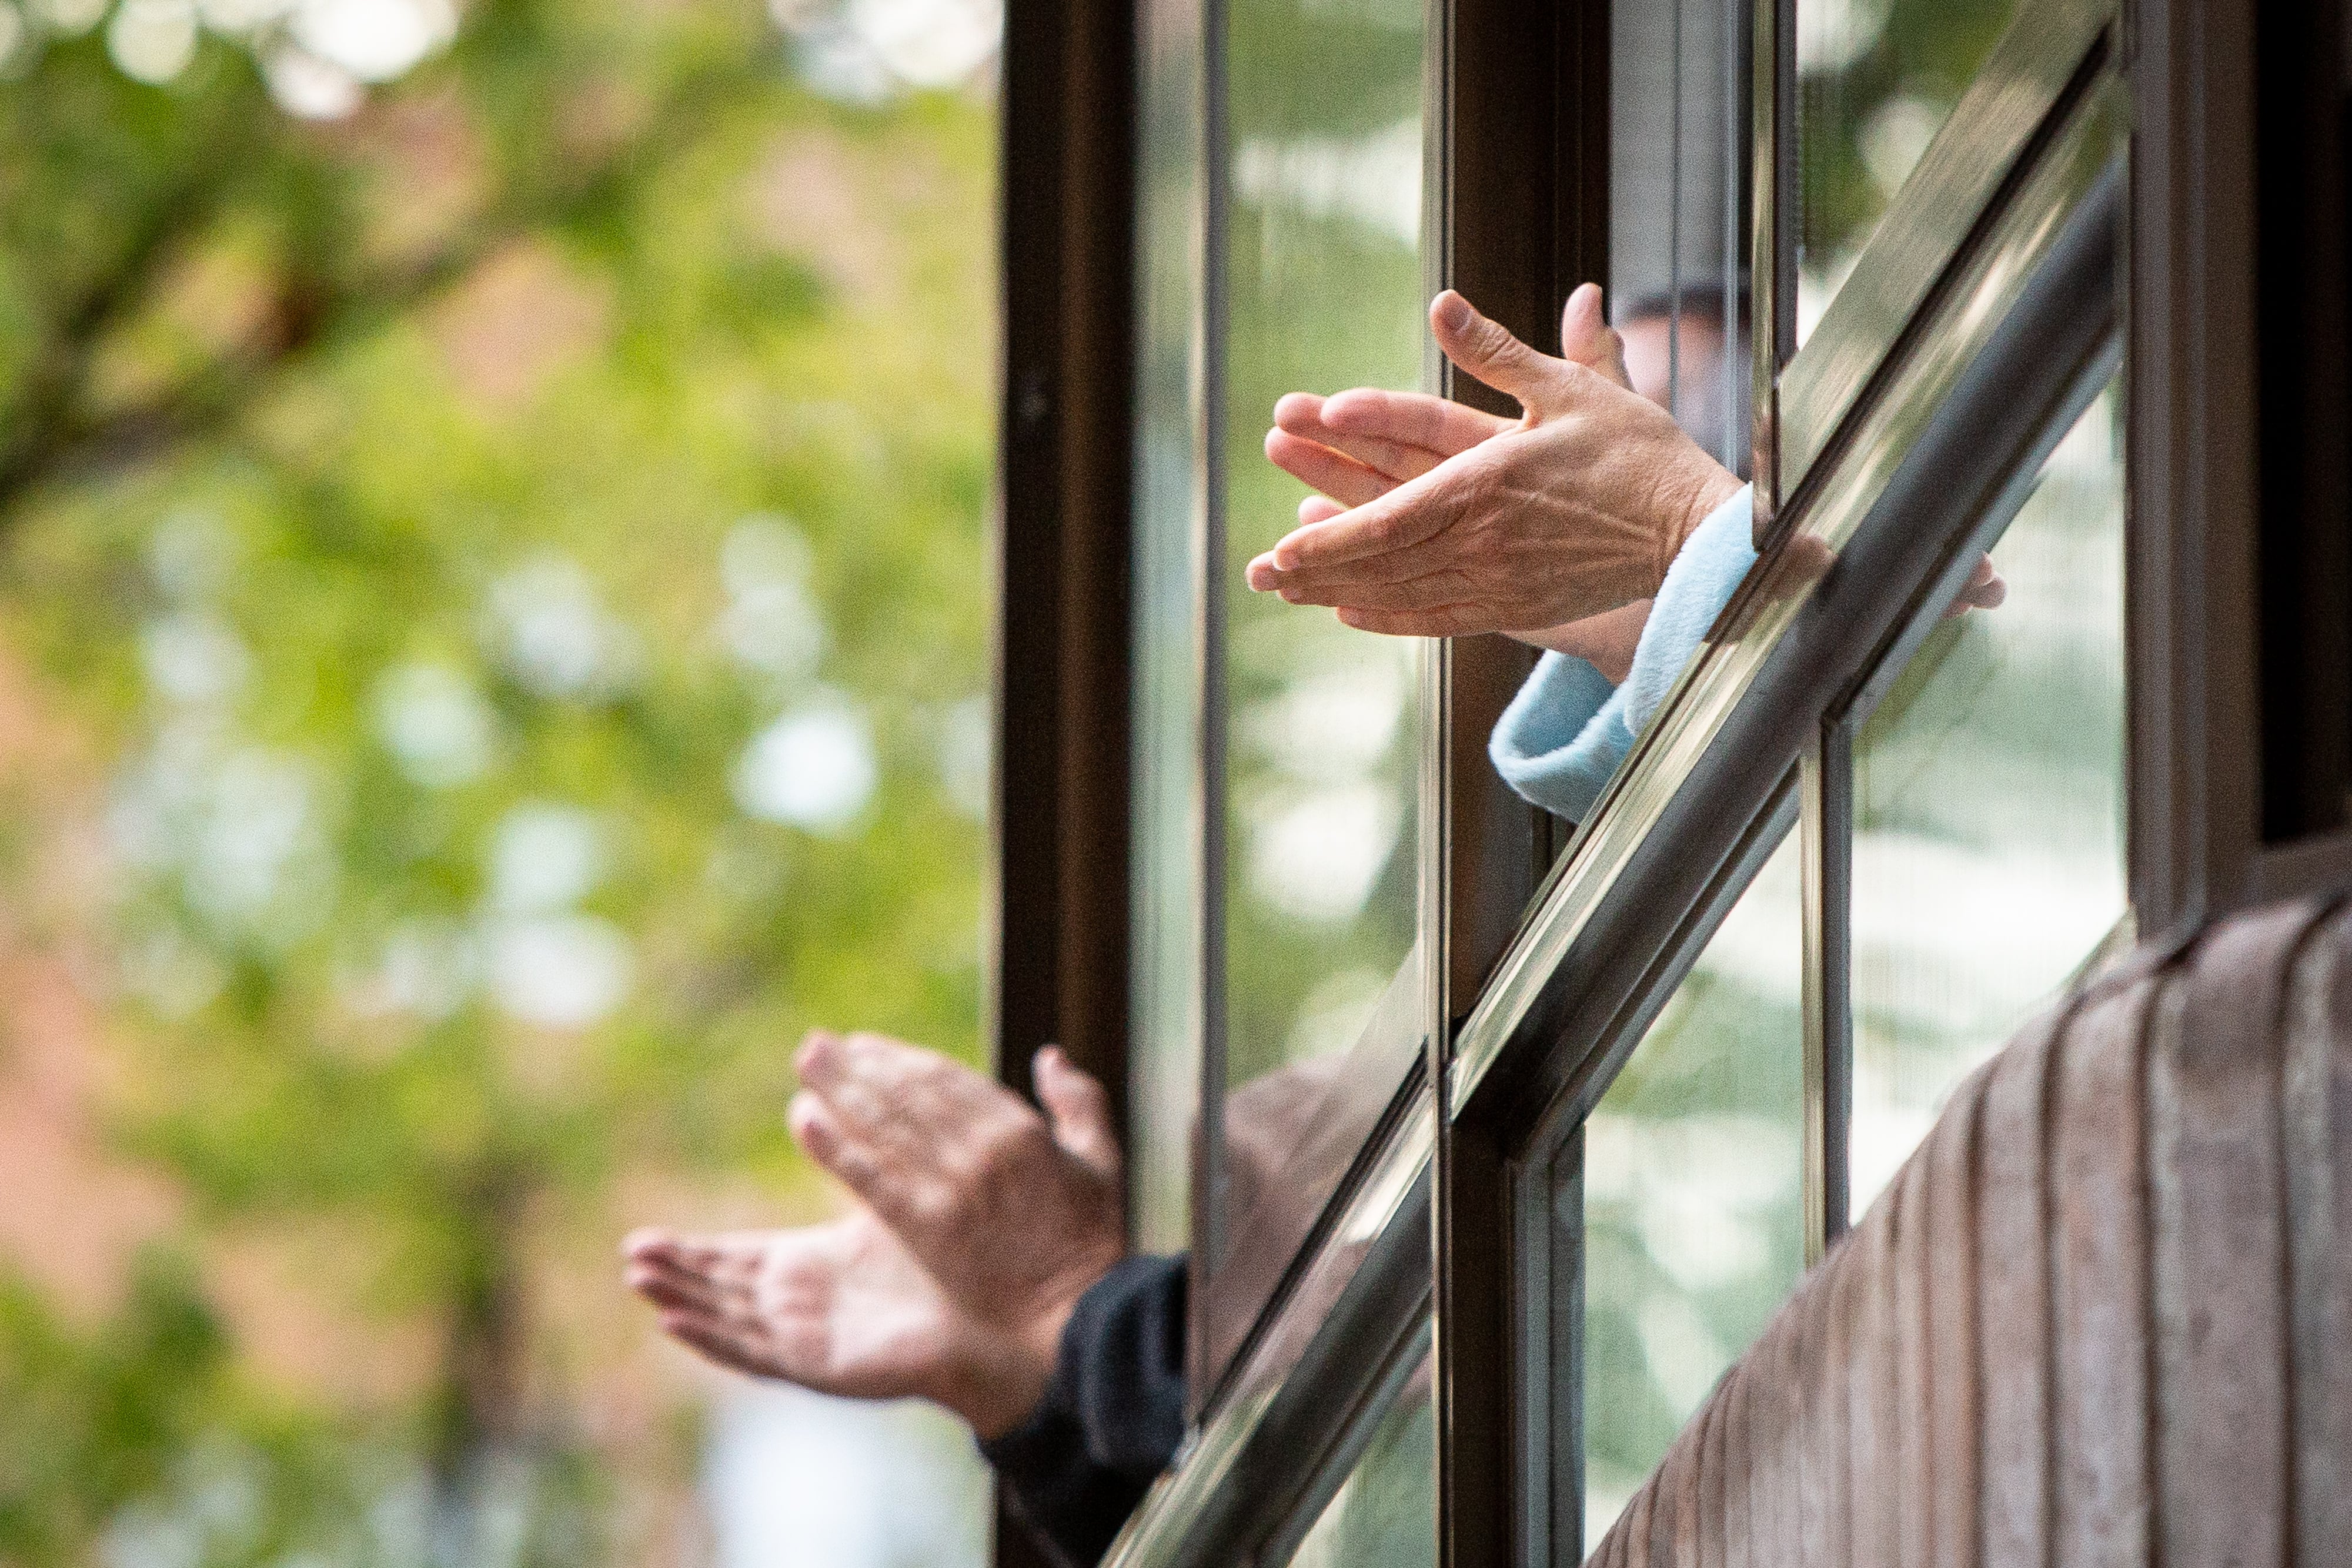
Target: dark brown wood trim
[2190,569]
[1061,900]
[1772,249]
[2240,645]
[1523,107]
[1525,132]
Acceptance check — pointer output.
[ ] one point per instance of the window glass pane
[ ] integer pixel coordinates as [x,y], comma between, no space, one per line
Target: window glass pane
[1876,78]
[1385,1513]
[1325,290]
[1677,227]
[1989,809]
[1164,1052]
[1694,1209]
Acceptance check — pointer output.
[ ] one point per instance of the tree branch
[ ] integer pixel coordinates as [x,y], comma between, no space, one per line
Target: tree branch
[62,443]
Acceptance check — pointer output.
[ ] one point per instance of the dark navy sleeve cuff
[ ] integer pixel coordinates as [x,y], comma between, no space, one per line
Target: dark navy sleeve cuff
[1112,1416]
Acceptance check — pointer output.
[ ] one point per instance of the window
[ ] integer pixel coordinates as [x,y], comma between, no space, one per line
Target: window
[1876,80]
[1678,218]
[1169,500]
[1686,1182]
[1987,807]
[1872,244]
[1382,1516]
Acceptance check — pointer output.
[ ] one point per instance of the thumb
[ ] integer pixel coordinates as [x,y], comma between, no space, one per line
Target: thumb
[1079,1110]
[1587,338]
[1486,349]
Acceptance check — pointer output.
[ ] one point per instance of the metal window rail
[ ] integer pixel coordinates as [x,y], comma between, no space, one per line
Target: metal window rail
[2048,56]
[1310,1388]
[2025,329]
[1892,533]
[1788,648]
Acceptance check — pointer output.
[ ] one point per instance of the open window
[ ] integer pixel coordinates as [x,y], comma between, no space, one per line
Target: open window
[1496,1133]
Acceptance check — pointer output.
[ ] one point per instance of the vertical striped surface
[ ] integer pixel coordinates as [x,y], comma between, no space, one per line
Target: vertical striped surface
[2102,1318]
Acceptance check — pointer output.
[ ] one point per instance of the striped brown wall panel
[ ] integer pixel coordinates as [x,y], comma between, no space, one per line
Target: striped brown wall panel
[1949,1161]
[2102,1320]
[2098,1253]
[2318,1116]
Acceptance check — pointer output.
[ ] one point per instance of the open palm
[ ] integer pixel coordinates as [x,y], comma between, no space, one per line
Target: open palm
[840,1308]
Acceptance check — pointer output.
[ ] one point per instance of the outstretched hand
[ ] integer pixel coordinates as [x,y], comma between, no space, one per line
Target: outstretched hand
[980,1224]
[1570,513]
[1356,448]
[840,1308]
[1357,445]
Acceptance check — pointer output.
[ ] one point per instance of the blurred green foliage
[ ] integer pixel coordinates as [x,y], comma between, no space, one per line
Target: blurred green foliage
[1878,79]
[515,554]
[1324,275]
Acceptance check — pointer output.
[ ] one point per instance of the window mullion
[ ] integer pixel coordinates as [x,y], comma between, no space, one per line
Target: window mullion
[1772,280]
[1828,827]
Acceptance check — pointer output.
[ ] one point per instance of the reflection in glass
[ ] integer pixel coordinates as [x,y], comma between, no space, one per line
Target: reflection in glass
[1385,1513]
[1876,78]
[1164,1053]
[1693,1213]
[1989,809]
[1677,235]
[1695,1209]
[1323,273]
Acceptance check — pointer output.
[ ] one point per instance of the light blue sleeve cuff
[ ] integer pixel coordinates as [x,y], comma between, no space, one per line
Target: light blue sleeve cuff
[1567,730]
[1698,585]
[1562,737]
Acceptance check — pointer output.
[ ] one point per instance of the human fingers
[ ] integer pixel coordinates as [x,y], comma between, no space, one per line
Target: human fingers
[1445,553]
[1335,474]
[866,1082]
[1587,338]
[818,1131]
[728,1258]
[908,1200]
[1262,574]
[1448,621]
[1410,419]
[1405,516]
[1985,589]
[1419,590]
[676,1289]
[1078,1108]
[718,1343]
[1385,450]
[648,1240]
[1487,348]
[921,1113]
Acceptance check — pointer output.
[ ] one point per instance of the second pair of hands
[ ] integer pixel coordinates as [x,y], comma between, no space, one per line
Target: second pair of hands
[977,1226]
[1435,519]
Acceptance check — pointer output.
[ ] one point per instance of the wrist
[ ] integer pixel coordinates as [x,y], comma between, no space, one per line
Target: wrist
[1012,1362]
[1702,496]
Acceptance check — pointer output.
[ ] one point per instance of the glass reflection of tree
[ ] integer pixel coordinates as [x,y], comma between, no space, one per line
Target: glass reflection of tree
[1878,79]
[1989,844]
[1325,282]
[1385,1513]
[1693,1197]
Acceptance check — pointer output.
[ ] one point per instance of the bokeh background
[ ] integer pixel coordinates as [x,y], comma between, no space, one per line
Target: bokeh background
[493,640]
